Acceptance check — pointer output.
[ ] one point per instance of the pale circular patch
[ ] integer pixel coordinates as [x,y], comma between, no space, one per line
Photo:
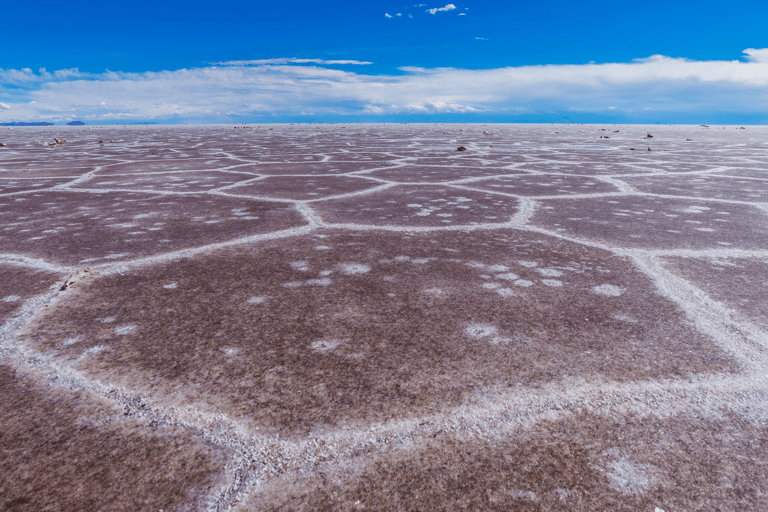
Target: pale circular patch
[608,290]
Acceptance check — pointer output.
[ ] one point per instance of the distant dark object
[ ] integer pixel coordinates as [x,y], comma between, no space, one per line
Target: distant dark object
[616,131]
[649,136]
[487,133]
[689,140]
[2,145]
[649,149]
[461,148]
[742,128]
[26,124]
[632,149]
[75,123]
[607,137]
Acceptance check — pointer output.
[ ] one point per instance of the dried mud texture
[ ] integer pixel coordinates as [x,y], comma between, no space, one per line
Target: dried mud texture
[656,223]
[741,284]
[344,328]
[683,461]
[64,450]
[70,227]
[360,317]
[422,206]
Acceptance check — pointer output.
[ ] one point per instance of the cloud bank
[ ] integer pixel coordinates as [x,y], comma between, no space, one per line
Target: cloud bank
[234,91]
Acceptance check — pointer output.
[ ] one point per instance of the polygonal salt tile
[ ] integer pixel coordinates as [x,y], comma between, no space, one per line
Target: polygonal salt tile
[80,227]
[304,187]
[702,185]
[341,328]
[656,223]
[185,181]
[305,167]
[75,451]
[549,185]
[15,185]
[435,174]
[665,460]
[418,206]
[18,284]
[739,283]
[172,164]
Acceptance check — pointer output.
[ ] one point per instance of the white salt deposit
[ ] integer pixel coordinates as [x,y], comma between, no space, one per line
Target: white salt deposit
[608,290]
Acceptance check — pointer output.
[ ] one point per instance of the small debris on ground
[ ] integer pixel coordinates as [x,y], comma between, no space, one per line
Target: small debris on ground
[487,133]
[461,148]
[649,136]
[56,143]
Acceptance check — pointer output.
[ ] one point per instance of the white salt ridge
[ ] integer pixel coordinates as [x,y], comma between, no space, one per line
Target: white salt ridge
[170,286]
[257,300]
[12,298]
[125,329]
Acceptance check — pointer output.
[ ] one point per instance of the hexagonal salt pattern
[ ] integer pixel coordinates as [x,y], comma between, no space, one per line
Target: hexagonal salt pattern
[71,227]
[656,223]
[344,328]
[361,317]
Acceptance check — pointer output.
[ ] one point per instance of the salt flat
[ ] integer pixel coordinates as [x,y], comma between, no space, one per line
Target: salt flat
[360,317]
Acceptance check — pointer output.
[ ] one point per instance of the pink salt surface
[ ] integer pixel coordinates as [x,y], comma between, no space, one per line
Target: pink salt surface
[331,317]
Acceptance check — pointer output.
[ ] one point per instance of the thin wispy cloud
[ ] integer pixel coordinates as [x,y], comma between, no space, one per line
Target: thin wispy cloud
[448,7]
[241,90]
[262,62]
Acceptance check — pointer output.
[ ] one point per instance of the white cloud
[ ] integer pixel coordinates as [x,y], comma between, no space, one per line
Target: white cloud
[399,14]
[448,7]
[387,15]
[292,60]
[281,87]
[481,38]
[5,106]
[754,55]
[611,108]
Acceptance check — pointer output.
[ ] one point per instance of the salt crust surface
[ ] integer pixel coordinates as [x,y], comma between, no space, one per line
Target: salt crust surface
[257,318]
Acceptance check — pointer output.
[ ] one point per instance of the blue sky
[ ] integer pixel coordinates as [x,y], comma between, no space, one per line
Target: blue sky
[110,62]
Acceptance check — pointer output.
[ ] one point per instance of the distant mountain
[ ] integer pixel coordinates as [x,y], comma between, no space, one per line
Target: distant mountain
[26,124]
[75,123]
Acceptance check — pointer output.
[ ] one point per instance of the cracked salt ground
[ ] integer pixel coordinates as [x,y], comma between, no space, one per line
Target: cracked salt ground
[426,174]
[739,283]
[302,187]
[420,206]
[170,181]
[703,185]
[331,340]
[656,223]
[379,358]
[685,459]
[80,227]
